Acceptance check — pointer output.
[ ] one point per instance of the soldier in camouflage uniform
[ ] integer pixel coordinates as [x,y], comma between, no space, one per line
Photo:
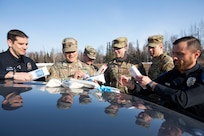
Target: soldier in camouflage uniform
[161,61]
[89,57]
[121,64]
[71,67]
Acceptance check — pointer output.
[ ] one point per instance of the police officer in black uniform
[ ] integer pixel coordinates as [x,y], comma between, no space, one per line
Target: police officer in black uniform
[182,88]
[13,63]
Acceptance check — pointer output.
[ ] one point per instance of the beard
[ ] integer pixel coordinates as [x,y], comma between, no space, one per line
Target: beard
[183,65]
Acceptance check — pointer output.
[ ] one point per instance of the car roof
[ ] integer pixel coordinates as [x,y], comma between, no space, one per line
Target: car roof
[88,112]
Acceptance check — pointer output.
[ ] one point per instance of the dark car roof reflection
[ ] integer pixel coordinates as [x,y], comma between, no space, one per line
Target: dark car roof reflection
[62,111]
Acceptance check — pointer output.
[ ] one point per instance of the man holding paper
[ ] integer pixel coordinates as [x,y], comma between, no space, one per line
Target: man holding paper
[181,88]
[120,64]
[71,66]
[13,63]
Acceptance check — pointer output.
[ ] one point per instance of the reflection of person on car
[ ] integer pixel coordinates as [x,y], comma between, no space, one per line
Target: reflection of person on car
[125,101]
[144,118]
[147,114]
[12,101]
[140,104]
[116,101]
[119,98]
[114,106]
[84,97]
[179,125]
[112,109]
[65,101]
[169,128]
[12,98]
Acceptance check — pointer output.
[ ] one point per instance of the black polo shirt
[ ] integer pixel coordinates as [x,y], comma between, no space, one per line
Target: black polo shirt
[8,63]
[183,91]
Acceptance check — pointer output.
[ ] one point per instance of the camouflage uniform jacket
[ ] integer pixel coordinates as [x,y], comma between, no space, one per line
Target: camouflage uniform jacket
[118,67]
[65,70]
[159,65]
[94,69]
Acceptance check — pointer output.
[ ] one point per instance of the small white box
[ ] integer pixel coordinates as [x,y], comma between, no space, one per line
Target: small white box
[38,73]
[134,71]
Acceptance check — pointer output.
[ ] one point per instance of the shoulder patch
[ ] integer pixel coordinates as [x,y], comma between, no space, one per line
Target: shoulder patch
[29,66]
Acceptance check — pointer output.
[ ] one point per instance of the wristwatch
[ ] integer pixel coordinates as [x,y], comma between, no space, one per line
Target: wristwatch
[14,71]
[150,85]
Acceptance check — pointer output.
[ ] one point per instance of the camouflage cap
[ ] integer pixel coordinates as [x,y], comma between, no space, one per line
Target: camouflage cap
[90,52]
[119,42]
[155,40]
[69,45]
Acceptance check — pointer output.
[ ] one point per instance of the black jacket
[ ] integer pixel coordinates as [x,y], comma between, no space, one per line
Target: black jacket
[182,92]
[8,63]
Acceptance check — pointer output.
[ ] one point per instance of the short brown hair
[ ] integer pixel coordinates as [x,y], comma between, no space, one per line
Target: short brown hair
[192,42]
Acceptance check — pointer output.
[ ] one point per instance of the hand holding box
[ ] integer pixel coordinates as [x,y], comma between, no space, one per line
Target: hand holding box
[134,71]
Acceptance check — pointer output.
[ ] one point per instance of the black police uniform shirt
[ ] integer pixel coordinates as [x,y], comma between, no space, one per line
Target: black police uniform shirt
[9,63]
[183,92]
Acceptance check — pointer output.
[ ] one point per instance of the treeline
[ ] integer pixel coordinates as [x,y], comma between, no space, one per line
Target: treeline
[133,48]
[43,57]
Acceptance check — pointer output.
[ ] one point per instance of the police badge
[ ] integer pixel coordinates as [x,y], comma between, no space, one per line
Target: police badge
[29,66]
[190,81]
